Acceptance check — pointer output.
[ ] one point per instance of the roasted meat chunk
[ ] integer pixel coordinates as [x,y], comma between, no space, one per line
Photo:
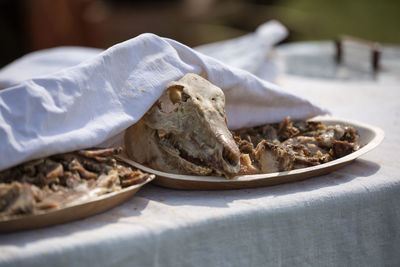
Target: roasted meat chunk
[292,145]
[64,179]
[274,158]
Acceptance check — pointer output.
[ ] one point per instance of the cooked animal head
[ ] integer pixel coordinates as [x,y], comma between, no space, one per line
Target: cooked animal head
[186,131]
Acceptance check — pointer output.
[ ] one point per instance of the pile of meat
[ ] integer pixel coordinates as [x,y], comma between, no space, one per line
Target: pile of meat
[63,180]
[292,145]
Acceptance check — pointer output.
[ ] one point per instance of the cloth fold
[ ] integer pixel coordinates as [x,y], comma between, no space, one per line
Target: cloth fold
[252,52]
[44,62]
[94,102]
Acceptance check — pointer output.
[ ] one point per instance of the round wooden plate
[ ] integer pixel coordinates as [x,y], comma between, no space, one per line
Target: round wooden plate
[370,137]
[70,213]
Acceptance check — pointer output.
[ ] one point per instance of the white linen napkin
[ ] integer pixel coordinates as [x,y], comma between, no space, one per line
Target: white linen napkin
[94,102]
[252,52]
[44,62]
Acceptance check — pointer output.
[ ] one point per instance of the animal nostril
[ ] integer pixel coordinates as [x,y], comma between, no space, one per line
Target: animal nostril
[230,157]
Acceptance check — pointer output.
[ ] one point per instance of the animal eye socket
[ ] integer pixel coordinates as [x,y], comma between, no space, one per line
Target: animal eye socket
[176,94]
[213,99]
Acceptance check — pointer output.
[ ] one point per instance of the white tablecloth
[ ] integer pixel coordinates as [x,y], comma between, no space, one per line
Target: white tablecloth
[350,217]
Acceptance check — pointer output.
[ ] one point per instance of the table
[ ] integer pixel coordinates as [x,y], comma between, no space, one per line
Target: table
[350,217]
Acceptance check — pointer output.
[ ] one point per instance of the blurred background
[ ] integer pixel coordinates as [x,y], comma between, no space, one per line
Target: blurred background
[29,25]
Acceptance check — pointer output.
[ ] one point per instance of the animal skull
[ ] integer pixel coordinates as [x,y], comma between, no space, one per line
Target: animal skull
[185,131]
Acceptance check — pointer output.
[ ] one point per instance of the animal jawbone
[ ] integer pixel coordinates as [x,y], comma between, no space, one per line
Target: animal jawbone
[187,162]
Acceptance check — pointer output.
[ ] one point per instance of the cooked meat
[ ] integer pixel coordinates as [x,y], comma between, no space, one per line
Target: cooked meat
[287,130]
[17,198]
[246,165]
[185,131]
[292,145]
[342,148]
[63,180]
[274,158]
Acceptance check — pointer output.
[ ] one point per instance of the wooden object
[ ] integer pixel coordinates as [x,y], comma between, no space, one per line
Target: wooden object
[370,137]
[70,213]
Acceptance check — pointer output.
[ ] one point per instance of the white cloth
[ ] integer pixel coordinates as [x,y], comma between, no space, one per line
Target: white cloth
[252,52]
[44,62]
[347,218]
[94,102]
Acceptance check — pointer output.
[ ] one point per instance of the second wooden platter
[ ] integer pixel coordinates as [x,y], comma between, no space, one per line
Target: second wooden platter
[370,137]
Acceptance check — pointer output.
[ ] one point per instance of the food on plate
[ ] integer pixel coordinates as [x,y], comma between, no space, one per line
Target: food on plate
[185,131]
[292,145]
[62,180]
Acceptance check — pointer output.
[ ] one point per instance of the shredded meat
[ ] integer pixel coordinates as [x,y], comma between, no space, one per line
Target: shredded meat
[292,145]
[64,179]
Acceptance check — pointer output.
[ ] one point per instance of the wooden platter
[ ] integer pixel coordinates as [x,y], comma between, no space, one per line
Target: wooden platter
[71,213]
[370,137]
